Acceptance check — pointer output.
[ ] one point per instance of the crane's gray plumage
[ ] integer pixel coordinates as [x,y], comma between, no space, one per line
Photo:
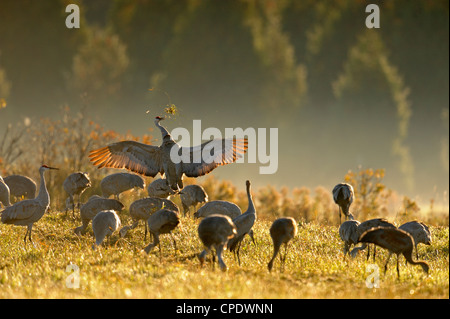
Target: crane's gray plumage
[160,188]
[21,186]
[220,207]
[29,211]
[396,241]
[143,208]
[349,234]
[343,196]
[105,223]
[244,224]
[282,231]
[4,193]
[150,160]
[92,207]
[419,231]
[365,226]
[215,231]
[74,185]
[191,196]
[117,183]
[162,222]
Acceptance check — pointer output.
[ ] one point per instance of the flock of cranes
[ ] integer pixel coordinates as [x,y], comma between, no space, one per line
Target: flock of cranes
[223,225]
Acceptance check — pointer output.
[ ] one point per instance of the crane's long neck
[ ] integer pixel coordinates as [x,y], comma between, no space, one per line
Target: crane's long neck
[163,130]
[43,196]
[251,206]
[408,257]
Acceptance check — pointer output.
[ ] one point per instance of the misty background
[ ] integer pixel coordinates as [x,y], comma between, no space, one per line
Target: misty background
[342,96]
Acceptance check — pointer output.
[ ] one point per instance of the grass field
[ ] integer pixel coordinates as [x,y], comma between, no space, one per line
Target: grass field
[314,268]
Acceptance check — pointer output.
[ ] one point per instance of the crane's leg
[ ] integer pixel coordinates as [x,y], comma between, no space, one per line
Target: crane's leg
[387,261]
[374,252]
[219,250]
[174,243]
[237,253]
[398,271]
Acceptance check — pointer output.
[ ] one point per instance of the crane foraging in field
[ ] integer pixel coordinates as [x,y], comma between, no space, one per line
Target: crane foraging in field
[244,224]
[21,186]
[117,183]
[92,207]
[365,226]
[282,231]
[4,193]
[143,208]
[74,185]
[215,231]
[348,231]
[220,207]
[419,232]
[162,222]
[192,195]
[343,196]
[29,211]
[105,223]
[396,241]
[160,188]
[169,159]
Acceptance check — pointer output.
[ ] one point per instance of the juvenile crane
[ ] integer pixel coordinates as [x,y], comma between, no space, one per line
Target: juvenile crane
[419,231]
[74,185]
[21,186]
[215,231]
[282,231]
[150,160]
[29,211]
[92,207]
[4,193]
[192,195]
[143,208]
[105,223]
[343,197]
[244,224]
[162,222]
[221,207]
[396,241]
[117,183]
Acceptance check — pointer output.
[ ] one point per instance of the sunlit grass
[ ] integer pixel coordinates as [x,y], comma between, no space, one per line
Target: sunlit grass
[315,267]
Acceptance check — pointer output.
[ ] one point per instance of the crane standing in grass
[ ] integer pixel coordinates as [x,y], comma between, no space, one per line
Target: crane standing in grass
[244,224]
[117,183]
[282,231]
[348,231]
[215,231]
[104,224]
[150,160]
[343,196]
[29,211]
[396,241]
[419,231]
[192,195]
[21,186]
[162,222]
[74,185]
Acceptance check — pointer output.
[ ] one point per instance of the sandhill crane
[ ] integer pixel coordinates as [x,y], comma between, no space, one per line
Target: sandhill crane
[105,223]
[343,197]
[419,231]
[21,186]
[4,193]
[220,207]
[396,241]
[365,226]
[74,185]
[29,211]
[191,195]
[150,160]
[282,231]
[160,188]
[143,208]
[117,183]
[349,234]
[215,231]
[162,222]
[244,224]
[92,207]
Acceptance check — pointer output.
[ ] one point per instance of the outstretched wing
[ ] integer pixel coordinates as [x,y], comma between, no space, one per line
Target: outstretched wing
[137,157]
[207,156]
